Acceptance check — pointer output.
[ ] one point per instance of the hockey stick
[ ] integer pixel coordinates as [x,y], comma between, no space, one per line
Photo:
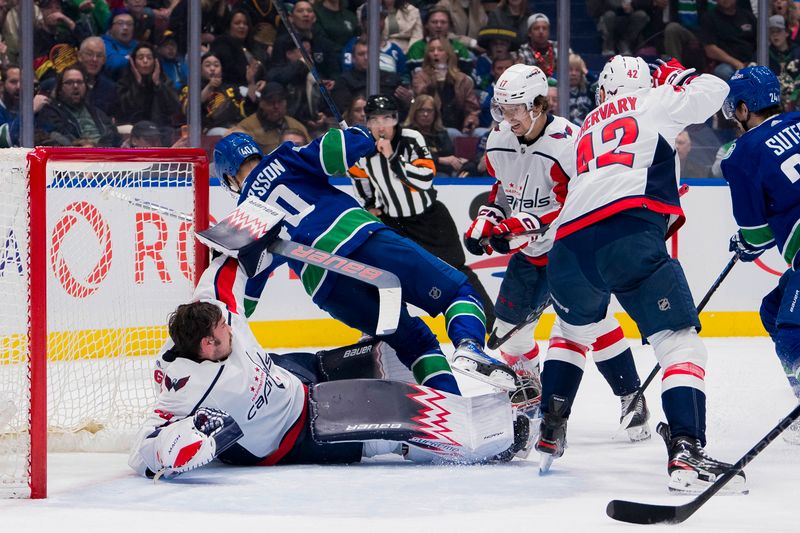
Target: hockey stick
[538,231]
[495,342]
[644,513]
[387,283]
[281,9]
[629,415]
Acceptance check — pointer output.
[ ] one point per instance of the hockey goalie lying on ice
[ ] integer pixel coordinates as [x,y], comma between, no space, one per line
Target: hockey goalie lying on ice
[220,395]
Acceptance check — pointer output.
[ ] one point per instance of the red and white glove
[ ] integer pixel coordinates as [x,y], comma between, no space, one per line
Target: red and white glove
[511,227]
[670,73]
[182,447]
[476,238]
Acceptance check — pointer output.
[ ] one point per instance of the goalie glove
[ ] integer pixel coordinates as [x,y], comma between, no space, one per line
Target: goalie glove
[194,442]
[476,238]
[743,249]
[670,73]
[512,227]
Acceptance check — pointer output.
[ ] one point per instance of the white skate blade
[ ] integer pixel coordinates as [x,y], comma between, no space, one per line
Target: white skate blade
[687,482]
[545,462]
[623,425]
[498,379]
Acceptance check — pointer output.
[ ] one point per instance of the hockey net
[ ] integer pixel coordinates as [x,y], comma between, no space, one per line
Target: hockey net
[98,248]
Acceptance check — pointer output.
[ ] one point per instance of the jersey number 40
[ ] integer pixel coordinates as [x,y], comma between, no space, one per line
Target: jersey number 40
[609,133]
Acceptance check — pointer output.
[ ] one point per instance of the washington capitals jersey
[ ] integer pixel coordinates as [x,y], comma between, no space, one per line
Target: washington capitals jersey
[763,170]
[267,402]
[295,179]
[532,178]
[625,155]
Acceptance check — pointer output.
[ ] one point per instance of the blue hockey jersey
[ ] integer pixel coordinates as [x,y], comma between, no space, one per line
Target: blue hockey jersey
[763,170]
[295,179]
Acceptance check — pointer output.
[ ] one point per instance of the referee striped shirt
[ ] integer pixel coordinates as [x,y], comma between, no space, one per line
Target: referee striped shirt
[401,186]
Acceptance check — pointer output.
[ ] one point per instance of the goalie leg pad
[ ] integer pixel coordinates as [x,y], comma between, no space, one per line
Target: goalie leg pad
[360,360]
[455,428]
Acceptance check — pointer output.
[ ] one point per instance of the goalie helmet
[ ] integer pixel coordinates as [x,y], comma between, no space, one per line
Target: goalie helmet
[757,87]
[519,84]
[623,74]
[229,154]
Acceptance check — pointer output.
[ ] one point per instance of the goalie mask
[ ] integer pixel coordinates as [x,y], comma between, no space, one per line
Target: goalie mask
[515,92]
[229,154]
[623,74]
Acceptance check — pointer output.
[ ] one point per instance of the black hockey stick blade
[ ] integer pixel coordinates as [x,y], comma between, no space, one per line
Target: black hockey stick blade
[495,342]
[389,290]
[645,513]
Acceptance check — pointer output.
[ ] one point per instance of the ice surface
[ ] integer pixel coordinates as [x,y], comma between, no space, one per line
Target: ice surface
[747,395]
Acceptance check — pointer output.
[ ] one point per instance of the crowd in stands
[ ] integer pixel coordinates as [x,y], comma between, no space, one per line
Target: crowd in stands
[107,70]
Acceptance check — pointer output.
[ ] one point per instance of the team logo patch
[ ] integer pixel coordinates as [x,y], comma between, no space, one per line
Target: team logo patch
[663,304]
[435,293]
[175,384]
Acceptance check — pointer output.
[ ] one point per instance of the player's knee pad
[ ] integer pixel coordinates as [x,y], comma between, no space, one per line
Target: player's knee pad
[585,334]
[682,356]
[610,342]
[520,343]
[662,301]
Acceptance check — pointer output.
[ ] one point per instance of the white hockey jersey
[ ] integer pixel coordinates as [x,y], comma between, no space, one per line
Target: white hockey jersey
[625,152]
[268,402]
[532,178]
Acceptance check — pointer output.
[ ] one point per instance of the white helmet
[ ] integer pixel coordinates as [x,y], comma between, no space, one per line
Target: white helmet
[519,84]
[624,74]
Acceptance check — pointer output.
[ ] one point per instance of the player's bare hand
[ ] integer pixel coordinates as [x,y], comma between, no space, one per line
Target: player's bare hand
[375,211]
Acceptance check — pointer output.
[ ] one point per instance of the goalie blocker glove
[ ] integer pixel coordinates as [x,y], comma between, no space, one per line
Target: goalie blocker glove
[670,73]
[743,249]
[476,238]
[194,441]
[508,228]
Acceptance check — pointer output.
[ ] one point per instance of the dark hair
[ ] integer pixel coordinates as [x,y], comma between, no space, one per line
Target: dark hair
[769,111]
[542,101]
[439,9]
[60,78]
[4,71]
[191,323]
[141,45]
[235,11]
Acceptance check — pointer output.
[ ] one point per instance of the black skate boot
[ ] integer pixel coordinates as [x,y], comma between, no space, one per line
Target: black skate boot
[470,359]
[637,427]
[524,435]
[690,468]
[552,433]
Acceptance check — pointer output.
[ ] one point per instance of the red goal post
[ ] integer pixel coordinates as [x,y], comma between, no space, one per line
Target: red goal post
[88,278]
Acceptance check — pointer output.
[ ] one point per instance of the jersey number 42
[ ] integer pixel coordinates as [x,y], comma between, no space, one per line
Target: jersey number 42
[629,129]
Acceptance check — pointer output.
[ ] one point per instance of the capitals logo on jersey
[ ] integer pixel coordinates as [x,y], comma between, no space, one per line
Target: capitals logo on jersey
[566,134]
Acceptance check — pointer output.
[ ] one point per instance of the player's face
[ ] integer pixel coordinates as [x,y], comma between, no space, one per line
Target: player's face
[517,117]
[220,344]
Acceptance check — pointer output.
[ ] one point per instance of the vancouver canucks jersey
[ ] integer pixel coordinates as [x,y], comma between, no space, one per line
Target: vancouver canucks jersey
[295,179]
[763,170]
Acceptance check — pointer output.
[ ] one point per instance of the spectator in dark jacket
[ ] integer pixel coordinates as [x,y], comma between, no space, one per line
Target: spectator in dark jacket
[728,34]
[101,90]
[238,53]
[69,120]
[145,93]
[55,28]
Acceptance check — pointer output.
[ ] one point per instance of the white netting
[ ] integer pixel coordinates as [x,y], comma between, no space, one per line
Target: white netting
[119,260]
[14,388]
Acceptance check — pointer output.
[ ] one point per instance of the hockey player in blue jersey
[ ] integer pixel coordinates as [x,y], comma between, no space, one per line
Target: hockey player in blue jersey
[295,179]
[762,171]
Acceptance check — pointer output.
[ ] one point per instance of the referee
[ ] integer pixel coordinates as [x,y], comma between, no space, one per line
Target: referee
[396,184]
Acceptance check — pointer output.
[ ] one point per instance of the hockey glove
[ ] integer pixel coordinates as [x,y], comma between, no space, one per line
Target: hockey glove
[194,442]
[512,227]
[476,239]
[670,73]
[743,249]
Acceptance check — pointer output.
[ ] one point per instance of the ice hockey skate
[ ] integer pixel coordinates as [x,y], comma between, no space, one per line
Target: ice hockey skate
[470,359]
[528,395]
[690,468]
[637,427]
[552,434]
